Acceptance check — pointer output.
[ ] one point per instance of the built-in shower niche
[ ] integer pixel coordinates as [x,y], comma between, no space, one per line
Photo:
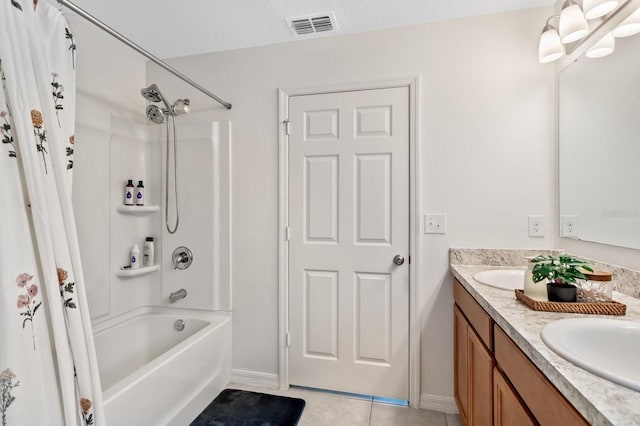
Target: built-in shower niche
[132,156]
[118,148]
[110,149]
[204,199]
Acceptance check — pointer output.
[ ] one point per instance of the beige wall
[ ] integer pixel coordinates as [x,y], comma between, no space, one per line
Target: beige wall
[486,132]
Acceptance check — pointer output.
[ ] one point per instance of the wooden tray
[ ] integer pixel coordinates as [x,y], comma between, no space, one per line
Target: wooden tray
[596,308]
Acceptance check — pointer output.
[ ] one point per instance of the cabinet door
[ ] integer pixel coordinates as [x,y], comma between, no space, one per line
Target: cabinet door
[507,408]
[480,382]
[473,374]
[543,400]
[460,349]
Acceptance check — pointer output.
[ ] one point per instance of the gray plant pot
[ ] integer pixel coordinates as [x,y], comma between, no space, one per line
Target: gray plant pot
[561,292]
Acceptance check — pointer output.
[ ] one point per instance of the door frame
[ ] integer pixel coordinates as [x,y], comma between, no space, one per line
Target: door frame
[415,251]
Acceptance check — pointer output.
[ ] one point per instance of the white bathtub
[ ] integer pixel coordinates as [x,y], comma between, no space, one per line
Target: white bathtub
[152,374]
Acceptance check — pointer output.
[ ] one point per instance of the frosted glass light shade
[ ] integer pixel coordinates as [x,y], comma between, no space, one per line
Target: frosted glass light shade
[596,8]
[573,25]
[604,47]
[550,48]
[629,26]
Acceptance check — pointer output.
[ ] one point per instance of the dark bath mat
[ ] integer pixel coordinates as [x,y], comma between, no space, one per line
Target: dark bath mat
[243,408]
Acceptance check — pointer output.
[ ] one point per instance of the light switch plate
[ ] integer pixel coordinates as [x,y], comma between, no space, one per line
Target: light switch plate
[435,223]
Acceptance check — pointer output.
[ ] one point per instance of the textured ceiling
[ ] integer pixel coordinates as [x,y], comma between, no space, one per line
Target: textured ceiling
[170,28]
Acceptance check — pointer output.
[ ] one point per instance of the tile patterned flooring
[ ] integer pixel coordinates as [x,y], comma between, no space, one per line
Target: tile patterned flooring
[326,409]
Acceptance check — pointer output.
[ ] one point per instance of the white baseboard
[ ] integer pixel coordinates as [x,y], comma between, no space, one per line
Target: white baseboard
[438,403]
[255,378]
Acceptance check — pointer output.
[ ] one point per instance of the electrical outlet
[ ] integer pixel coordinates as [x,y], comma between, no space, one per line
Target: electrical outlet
[435,223]
[569,226]
[536,225]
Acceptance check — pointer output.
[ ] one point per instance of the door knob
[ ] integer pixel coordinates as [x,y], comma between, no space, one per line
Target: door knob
[398,259]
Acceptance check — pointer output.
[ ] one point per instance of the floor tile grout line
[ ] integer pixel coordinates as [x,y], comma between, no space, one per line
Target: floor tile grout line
[370,399]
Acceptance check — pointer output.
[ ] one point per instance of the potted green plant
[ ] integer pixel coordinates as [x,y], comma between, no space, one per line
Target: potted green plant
[561,273]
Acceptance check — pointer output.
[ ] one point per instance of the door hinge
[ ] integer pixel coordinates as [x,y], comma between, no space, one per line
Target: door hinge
[409,260]
[287,233]
[288,339]
[287,127]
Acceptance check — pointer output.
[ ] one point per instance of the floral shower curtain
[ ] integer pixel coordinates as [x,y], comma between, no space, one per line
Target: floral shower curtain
[48,369]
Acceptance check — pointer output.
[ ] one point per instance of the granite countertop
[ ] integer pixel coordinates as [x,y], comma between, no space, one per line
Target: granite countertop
[600,401]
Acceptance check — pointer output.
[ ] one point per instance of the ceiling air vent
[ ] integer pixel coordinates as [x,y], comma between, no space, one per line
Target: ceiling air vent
[316,24]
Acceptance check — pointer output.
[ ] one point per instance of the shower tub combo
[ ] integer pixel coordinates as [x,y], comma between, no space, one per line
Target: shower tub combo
[162,365]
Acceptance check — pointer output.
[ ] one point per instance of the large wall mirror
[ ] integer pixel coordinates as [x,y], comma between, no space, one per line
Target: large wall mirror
[599,147]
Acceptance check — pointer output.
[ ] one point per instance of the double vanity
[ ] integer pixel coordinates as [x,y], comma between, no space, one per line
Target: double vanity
[514,365]
[517,366]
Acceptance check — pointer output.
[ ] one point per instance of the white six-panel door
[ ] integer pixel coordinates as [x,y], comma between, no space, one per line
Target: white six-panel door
[348,219]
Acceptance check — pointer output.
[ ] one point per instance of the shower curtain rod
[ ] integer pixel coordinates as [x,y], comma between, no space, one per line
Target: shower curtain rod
[74,8]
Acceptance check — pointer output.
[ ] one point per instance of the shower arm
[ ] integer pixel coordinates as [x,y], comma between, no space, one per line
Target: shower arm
[83,13]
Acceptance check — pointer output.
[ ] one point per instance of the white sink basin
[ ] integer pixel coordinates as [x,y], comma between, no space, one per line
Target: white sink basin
[505,279]
[608,348]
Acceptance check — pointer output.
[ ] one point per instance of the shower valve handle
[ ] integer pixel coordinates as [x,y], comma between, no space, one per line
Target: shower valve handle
[182,258]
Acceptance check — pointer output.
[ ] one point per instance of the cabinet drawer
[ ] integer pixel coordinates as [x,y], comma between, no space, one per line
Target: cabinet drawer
[478,318]
[544,401]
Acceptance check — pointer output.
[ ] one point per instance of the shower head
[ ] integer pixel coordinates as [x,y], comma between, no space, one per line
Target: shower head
[152,93]
[155,114]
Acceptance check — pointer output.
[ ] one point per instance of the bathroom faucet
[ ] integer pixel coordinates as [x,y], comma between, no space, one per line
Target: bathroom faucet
[180,294]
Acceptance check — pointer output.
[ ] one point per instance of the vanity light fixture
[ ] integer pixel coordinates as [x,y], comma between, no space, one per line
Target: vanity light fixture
[550,47]
[573,25]
[605,46]
[628,27]
[596,8]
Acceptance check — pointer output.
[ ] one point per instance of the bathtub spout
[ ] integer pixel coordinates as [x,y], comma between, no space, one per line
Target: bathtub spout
[180,294]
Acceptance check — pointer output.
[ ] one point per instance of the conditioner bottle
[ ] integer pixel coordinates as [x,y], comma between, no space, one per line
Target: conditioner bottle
[140,194]
[135,257]
[149,252]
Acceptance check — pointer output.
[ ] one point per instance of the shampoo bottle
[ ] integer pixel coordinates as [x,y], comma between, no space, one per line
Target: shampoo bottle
[148,250]
[128,193]
[135,257]
[140,194]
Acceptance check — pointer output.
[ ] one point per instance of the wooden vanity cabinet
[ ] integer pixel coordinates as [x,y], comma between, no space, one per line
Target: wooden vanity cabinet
[495,382]
[473,374]
[460,356]
[542,398]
